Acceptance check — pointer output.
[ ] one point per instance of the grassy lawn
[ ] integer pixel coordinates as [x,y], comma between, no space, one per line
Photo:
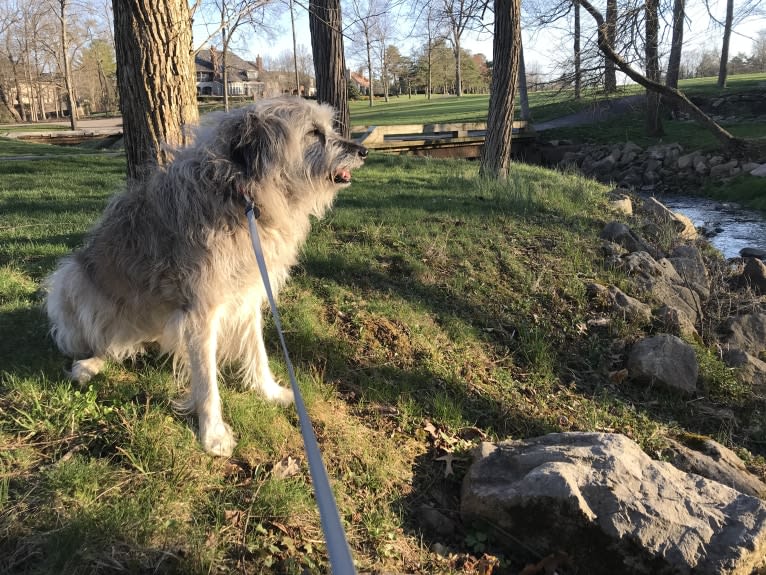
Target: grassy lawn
[429,310]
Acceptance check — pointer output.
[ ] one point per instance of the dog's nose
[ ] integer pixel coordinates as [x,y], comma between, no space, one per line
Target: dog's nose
[362,152]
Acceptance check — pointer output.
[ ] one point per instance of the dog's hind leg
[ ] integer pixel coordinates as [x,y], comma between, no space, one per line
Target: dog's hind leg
[259,373]
[200,339]
[84,369]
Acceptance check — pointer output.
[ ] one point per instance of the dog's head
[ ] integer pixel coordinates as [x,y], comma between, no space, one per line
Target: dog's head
[292,140]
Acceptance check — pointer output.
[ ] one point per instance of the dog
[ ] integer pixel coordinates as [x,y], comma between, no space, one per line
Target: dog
[170,262]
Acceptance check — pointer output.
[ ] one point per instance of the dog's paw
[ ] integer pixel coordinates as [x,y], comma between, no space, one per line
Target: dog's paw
[218,440]
[83,370]
[277,394]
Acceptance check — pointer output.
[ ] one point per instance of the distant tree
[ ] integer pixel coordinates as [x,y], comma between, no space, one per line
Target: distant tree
[459,16]
[325,23]
[506,46]
[430,27]
[576,50]
[727,26]
[709,64]
[676,43]
[61,10]
[98,70]
[158,108]
[758,58]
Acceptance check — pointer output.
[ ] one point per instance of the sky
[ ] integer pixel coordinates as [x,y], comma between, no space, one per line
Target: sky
[540,47]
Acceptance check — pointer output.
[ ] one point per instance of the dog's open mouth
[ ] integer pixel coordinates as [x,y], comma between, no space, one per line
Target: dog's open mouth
[342,176]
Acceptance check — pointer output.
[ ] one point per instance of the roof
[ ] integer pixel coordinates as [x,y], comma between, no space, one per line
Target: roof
[203,62]
[359,79]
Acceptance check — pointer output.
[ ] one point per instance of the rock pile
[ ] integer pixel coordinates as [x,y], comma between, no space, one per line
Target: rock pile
[657,168]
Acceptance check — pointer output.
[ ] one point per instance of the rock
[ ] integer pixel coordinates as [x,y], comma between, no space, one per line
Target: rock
[722,170]
[604,166]
[677,322]
[436,521]
[682,225]
[664,359]
[646,271]
[750,166]
[753,253]
[621,204]
[621,234]
[759,172]
[750,370]
[712,460]
[686,161]
[700,165]
[619,302]
[599,498]
[755,274]
[746,332]
[688,262]
[715,161]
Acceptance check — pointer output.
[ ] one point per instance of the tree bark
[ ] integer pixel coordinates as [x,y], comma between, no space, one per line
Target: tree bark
[525,114]
[577,72]
[506,47]
[610,72]
[155,73]
[458,68]
[736,145]
[676,44]
[653,118]
[329,60]
[723,69]
[71,98]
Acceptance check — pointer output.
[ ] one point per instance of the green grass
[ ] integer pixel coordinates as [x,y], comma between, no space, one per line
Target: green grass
[429,309]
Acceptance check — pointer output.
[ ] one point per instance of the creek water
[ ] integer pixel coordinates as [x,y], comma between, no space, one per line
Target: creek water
[728,226]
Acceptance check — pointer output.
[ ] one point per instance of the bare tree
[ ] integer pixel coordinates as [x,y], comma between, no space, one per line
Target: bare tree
[727,26]
[61,7]
[735,145]
[325,24]
[430,27]
[610,72]
[651,44]
[365,15]
[506,49]
[577,63]
[152,37]
[459,17]
[676,44]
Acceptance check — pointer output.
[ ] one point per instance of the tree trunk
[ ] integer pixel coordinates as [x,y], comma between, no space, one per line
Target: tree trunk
[19,96]
[523,88]
[736,145]
[610,71]
[506,47]
[225,67]
[8,105]
[676,44]
[723,69]
[71,98]
[371,96]
[155,73]
[653,118]
[329,61]
[577,72]
[458,70]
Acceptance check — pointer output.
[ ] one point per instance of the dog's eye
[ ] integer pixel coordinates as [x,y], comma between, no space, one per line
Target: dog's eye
[316,133]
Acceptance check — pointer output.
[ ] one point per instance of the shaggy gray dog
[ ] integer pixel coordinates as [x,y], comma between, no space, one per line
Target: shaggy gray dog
[171,260]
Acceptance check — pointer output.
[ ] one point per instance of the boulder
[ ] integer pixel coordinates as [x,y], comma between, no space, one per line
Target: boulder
[750,369]
[621,303]
[754,274]
[603,501]
[621,234]
[753,253]
[746,332]
[712,460]
[759,172]
[664,359]
[688,262]
[621,204]
[677,322]
[687,161]
[682,225]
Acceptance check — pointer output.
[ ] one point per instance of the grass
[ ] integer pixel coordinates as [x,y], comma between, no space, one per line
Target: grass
[429,310]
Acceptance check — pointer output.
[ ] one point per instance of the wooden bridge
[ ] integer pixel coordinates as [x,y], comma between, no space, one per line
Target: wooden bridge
[462,140]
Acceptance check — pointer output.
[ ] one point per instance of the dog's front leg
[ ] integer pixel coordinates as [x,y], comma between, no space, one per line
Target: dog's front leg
[260,376]
[201,342]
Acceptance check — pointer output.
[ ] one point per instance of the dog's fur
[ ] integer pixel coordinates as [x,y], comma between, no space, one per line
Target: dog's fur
[171,259]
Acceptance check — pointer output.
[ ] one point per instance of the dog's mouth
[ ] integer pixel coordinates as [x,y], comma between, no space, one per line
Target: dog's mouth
[342,176]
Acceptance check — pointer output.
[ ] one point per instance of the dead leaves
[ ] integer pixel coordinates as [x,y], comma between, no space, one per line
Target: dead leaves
[451,444]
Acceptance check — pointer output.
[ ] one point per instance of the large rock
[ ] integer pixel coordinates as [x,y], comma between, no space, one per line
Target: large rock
[619,302]
[621,234]
[680,223]
[750,369]
[746,332]
[664,359]
[710,459]
[755,274]
[613,509]
[688,262]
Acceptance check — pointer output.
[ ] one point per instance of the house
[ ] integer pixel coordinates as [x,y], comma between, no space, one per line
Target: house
[362,84]
[243,76]
[245,79]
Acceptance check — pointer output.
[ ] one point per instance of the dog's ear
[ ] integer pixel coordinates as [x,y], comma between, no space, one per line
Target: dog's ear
[258,143]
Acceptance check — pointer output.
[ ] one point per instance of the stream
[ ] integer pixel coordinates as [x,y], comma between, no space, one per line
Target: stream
[728,226]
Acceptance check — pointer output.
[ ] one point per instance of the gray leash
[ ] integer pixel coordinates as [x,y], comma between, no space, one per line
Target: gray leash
[341,562]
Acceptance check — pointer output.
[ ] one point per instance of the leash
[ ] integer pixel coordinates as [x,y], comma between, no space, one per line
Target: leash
[338,550]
